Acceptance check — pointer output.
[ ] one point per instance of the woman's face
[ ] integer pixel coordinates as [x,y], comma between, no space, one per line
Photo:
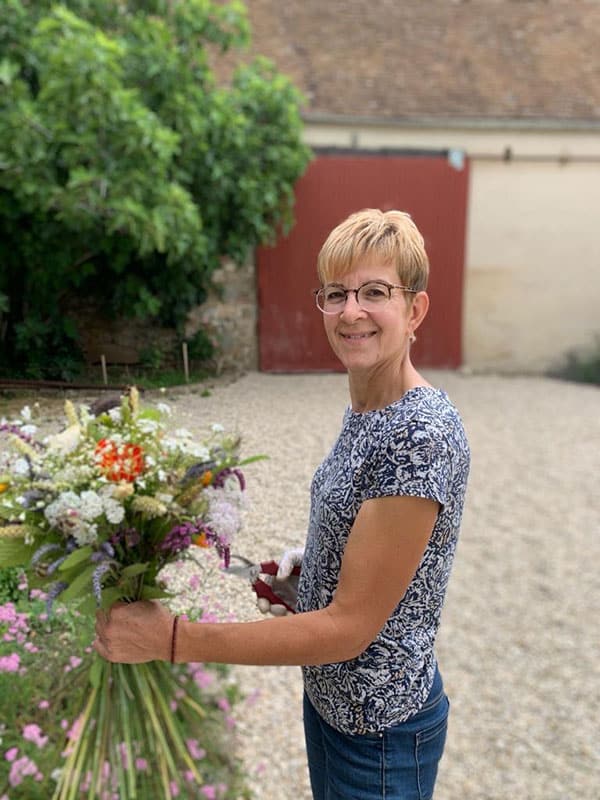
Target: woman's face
[369,340]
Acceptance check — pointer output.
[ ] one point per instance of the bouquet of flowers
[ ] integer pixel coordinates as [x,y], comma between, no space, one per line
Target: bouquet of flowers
[93,514]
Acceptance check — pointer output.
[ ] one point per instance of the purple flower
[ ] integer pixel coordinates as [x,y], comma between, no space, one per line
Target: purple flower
[97,580]
[6,427]
[219,480]
[53,593]
[42,551]
[179,538]
[129,536]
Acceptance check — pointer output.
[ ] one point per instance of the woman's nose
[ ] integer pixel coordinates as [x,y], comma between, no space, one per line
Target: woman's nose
[351,308]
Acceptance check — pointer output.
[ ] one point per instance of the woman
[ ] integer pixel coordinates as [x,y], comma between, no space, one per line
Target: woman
[386,506]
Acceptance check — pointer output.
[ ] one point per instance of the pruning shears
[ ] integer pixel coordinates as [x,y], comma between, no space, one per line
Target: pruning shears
[262,588]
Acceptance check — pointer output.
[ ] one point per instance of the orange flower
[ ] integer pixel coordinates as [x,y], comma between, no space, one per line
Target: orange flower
[200,540]
[206,478]
[4,487]
[119,462]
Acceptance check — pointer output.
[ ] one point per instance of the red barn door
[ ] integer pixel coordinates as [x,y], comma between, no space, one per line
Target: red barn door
[291,337]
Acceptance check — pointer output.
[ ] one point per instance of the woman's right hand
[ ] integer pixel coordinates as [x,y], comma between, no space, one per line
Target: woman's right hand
[284,584]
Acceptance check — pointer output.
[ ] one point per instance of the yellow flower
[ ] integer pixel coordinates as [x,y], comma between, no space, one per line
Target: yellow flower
[148,506]
[23,447]
[70,413]
[4,487]
[66,441]
[122,490]
[134,400]
[13,531]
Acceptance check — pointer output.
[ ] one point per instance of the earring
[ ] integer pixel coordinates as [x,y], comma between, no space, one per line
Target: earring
[412,338]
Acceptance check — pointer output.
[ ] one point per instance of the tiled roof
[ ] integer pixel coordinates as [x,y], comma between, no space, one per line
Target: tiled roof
[409,59]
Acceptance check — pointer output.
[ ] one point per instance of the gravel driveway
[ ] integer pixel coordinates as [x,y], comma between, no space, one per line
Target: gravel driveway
[519,645]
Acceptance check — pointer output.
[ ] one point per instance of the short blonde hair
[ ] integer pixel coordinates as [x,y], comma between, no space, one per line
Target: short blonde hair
[388,236]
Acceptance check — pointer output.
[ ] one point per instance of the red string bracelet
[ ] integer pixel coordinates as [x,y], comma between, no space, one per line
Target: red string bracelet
[174,638]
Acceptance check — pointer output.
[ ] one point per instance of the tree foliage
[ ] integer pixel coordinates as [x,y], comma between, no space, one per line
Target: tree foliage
[126,170]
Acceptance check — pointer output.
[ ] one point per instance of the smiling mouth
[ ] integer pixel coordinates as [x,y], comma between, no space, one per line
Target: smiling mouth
[357,336]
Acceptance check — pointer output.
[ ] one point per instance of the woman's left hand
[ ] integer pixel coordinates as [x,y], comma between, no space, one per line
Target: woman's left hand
[133,633]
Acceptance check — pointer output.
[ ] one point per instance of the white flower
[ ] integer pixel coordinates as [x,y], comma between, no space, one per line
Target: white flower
[114,511]
[85,533]
[147,425]
[20,466]
[164,408]
[91,505]
[26,413]
[29,430]
[115,414]
[66,441]
[217,427]
[183,433]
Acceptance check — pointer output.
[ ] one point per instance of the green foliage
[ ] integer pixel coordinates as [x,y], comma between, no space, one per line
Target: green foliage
[201,347]
[10,579]
[582,367]
[126,171]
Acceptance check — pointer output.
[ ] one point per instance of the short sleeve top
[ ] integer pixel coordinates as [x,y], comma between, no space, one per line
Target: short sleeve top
[416,446]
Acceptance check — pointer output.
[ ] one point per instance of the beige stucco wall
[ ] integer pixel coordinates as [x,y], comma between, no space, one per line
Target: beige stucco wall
[532,279]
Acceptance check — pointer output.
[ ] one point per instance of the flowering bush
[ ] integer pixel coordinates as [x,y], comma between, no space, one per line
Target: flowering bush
[44,667]
[94,514]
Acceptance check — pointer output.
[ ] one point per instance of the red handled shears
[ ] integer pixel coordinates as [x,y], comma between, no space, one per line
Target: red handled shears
[248,569]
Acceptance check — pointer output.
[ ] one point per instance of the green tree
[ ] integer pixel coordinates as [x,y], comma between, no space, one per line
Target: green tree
[126,170]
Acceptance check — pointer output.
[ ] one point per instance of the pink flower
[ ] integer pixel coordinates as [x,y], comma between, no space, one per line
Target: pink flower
[10,663]
[253,698]
[224,704]
[194,582]
[43,704]
[202,678]
[11,754]
[74,662]
[174,789]
[7,612]
[141,764]
[22,768]
[33,733]
[122,748]
[194,749]
[209,792]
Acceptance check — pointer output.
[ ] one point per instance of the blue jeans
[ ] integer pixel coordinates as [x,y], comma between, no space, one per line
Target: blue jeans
[399,764]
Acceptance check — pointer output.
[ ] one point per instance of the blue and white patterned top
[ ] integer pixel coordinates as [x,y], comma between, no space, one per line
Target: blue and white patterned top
[416,446]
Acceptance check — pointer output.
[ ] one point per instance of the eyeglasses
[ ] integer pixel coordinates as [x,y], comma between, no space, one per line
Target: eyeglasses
[370,296]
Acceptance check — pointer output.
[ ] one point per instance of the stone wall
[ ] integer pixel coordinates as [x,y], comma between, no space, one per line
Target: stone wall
[229,317]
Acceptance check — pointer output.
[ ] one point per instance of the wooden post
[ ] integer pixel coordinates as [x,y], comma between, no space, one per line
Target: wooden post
[104,372]
[186,365]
